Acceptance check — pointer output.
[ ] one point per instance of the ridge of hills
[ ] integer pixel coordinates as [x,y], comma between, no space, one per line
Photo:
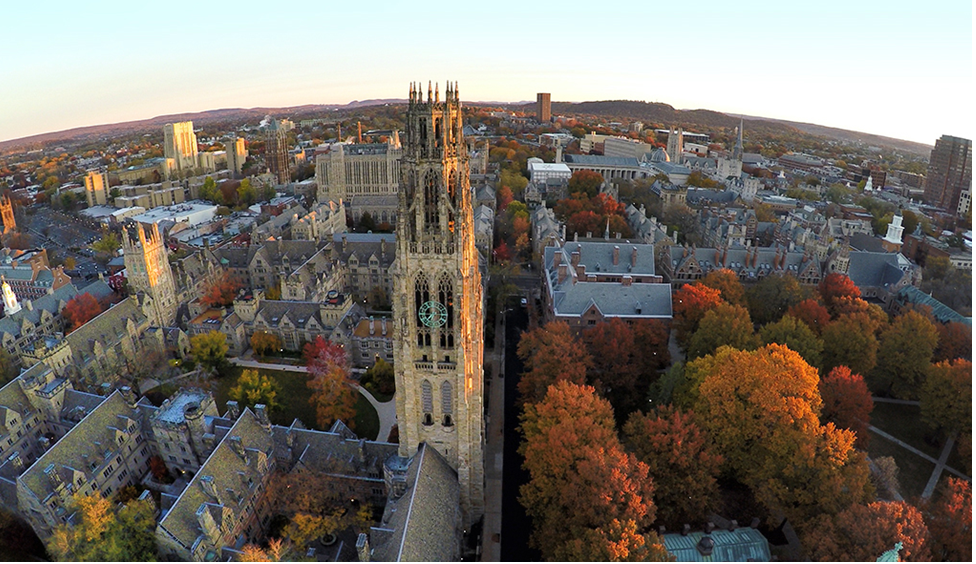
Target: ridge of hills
[656,112]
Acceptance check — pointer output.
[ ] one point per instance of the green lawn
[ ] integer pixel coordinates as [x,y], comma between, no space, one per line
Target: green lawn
[913,470]
[294,400]
[905,423]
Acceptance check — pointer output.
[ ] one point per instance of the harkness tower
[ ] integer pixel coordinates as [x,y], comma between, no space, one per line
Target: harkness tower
[437,306]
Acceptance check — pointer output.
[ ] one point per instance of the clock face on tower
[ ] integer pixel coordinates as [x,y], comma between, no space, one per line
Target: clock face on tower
[433,314]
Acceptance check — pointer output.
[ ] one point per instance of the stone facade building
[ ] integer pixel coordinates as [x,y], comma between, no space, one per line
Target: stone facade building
[148,271]
[365,176]
[437,305]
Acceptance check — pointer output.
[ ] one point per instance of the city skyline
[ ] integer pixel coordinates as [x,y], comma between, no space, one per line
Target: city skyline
[869,67]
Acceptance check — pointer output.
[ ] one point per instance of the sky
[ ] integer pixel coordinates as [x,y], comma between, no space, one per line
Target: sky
[893,68]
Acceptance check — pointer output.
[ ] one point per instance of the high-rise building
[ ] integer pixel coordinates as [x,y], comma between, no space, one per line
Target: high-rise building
[180,144]
[236,154]
[148,270]
[438,345]
[96,188]
[950,172]
[276,152]
[543,107]
[7,214]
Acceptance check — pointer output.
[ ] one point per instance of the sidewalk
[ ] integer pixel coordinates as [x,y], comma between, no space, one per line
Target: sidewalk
[491,549]
[940,464]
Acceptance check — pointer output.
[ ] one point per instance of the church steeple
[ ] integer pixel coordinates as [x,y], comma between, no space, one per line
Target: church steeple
[10,304]
[737,150]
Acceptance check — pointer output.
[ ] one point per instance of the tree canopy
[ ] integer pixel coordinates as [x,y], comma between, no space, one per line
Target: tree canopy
[209,349]
[847,402]
[865,532]
[104,531]
[80,309]
[723,325]
[253,388]
[904,353]
[550,354]
[796,335]
[333,394]
[690,303]
[772,296]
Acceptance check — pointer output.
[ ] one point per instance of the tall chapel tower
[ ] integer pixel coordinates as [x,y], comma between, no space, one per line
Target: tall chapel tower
[438,305]
[148,270]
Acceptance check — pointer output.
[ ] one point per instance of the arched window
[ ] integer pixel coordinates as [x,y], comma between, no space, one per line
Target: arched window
[431,207]
[447,403]
[427,400]
[421,296]
[445,295]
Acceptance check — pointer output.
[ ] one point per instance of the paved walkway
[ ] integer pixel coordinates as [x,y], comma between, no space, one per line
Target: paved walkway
[939,464]
[892,400]
[385,410]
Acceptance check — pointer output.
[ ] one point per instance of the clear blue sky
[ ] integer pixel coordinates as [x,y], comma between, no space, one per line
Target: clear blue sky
[892,68]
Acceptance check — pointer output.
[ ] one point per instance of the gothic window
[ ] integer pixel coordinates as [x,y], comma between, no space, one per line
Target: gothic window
[421,296]
[437,133]
[427,399]
[431,209]
[447,400]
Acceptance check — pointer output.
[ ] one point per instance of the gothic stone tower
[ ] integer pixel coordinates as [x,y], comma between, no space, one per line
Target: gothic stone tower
[438,306]
[148,270]
[7,213]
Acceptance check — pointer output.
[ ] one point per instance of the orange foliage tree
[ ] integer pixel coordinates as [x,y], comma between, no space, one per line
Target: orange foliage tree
[847,402]
[680,460]
[550,354]
[726,282]
[950,522]
[625,360]
[690,304]
[813,314]
[864,532]
[835,289]
[580,479]
[222,292]
[955,341]
[333,394]
[80,309]
[762,411]
[947,397]
[724,324]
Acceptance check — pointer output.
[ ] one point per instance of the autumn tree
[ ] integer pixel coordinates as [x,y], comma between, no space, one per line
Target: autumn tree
[904,355]
[8,369]
[723,325]
[955,341]
[550,354]
[580,479]
[265,343]
[762,409]
[622,368]
[772,296]
[796,335]
[947,396]
[222,291]
[278,551]
[812,313]
[108,244]
[586,181]
[847,402]
[950,522]
[104,531]
[726,282]
[864,532]
[616,542]
[209,350]
[333,393]
[850,341]
[504,197]
[80,309]
[253,388]
[690,303]
[679,459]
[836,290]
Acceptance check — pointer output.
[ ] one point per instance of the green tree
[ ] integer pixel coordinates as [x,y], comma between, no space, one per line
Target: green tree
[253,388]
[796,335]
[108,244]
[850,341]
[246,194]
[209,190]
[947,397]
[8,369]
[909,221]
[209,349]
[772,296]
[379,378]
[724,325]
[265,343]
[904,355]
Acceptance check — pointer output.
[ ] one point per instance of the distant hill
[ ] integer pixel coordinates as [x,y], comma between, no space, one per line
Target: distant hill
[851,136]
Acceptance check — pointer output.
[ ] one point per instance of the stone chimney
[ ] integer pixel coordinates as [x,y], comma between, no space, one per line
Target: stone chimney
[237,445]
[626,280]
[209,487]
[557,257]
[362,547]
[563,272]
[574,257]
[616,254]
[633,258]
[372,326]
[580,270]
[383,325]
[233,410]
[261,411]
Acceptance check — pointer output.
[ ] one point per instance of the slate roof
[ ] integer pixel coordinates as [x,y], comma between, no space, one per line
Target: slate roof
[598,256]
[865,242]
[424,522]
[333,452]
[740,545]
[880,270]
[943,313]
[644,301]
[106,328]
[753,263]
[226,469]
[85,444]
[52,303]
[99,289]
